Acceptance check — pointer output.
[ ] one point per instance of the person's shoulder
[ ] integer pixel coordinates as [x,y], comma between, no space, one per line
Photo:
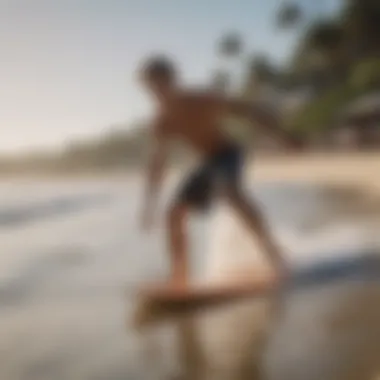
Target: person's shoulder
[200,95]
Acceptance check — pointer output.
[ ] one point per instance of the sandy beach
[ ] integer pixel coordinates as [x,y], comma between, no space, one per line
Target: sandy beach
[360,170]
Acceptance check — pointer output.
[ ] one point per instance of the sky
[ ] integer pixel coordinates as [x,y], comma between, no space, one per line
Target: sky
[68,67]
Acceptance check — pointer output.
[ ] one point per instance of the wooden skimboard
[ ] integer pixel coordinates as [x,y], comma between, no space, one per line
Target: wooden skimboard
[160,302]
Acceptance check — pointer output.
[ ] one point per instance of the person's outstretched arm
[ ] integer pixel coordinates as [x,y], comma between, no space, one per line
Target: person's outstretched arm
[155,173]
[260,116]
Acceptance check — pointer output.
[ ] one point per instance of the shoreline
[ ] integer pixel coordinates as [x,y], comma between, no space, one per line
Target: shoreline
[359,170]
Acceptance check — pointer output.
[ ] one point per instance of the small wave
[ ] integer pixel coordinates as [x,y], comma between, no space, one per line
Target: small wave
[18,215]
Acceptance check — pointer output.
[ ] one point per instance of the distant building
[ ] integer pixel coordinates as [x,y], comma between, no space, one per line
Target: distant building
[359,122]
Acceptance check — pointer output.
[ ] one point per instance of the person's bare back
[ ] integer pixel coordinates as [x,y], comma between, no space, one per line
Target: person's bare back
[195,118]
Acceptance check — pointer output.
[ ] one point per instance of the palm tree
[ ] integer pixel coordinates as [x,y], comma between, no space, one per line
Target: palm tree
[220,80]
[229,48]
[260,74]
[262,69]
[289,16]
[230,45]
[329,39]
[322,54]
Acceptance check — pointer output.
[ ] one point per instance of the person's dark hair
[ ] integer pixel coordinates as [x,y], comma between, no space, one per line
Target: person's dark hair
[159,67]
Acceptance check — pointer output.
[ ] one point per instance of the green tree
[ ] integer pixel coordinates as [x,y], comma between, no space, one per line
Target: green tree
[326,39]
[361,20]
[320,114]
[366,74]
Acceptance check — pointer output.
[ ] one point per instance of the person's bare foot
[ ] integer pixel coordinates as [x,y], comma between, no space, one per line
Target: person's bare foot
[178,283]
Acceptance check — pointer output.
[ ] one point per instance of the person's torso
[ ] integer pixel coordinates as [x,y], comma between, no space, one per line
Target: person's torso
[196,121]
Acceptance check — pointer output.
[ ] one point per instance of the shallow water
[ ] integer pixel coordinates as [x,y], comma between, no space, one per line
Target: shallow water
[72,254]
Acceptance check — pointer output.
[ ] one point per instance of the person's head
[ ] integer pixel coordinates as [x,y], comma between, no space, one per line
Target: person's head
[159,75]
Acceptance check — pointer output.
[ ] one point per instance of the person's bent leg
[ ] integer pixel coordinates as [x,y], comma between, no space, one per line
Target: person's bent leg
[194,193]
[178,245]
[251,214]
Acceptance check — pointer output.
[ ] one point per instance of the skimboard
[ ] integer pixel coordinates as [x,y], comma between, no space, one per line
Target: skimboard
[158,302]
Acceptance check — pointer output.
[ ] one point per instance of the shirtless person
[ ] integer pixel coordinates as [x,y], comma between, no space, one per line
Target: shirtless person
[195,118]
